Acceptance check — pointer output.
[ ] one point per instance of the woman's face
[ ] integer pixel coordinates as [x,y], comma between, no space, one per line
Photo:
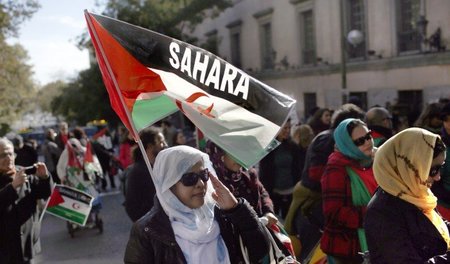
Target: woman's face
[435,170]
[284,131]
[361,134]
[181,139]
[326,117]
[230,163]
[191,196]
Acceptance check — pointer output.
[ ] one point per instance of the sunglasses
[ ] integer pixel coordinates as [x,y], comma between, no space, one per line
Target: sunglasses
[435,170]
[191,178]
[360,141]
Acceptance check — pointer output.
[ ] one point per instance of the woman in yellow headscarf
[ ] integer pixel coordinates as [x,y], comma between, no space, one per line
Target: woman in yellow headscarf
[401,223]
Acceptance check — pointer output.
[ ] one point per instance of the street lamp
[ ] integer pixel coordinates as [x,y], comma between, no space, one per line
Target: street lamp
[354,37]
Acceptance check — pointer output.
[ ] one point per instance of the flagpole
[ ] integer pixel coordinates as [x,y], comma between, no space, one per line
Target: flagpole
[46,204]
[116,86]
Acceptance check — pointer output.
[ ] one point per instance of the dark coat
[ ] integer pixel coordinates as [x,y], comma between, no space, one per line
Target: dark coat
[342,217]
[152,239]
[140,190]
[316,158]
[18,218]
[267,167]
[398,232]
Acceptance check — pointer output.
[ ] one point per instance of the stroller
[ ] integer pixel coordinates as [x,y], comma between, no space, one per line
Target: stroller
[82,170]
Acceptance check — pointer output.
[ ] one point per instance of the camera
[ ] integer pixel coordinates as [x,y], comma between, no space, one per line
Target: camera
[30,170]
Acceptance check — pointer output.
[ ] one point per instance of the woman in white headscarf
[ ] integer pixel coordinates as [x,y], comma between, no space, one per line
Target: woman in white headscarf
[401,224]
[194,219]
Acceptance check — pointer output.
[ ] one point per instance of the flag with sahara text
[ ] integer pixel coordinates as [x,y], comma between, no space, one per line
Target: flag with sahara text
[150,76]
[69,204]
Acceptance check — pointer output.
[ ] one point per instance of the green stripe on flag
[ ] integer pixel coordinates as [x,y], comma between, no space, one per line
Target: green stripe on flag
[68,214]
[148,111]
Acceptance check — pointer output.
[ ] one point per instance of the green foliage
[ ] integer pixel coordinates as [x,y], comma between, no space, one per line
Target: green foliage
[13,13]
[16,87]
[84,99]
[46,94]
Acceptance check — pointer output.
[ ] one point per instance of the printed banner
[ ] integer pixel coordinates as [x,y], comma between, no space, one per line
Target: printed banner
[70,204]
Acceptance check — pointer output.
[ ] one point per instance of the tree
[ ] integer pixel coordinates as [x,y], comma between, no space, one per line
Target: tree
[13,13]
[84,99]
[48,92]
[16,85]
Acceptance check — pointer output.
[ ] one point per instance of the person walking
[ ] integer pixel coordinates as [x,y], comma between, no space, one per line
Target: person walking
[347,186]
[195,219]
[51,153]
[280,170]
[379,121]
[401,224]
[140,187]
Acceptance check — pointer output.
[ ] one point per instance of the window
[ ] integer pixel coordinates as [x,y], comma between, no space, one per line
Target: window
[310,100]
[236,49]
[309,44]
[235,42]
[407,16]
[212,42]
[356,20]
[268,54]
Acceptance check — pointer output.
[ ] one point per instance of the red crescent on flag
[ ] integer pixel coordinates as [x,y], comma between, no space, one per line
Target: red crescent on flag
[192,98]
[76,206]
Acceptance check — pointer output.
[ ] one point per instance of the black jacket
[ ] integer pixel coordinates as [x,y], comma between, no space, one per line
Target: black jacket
[152,239]
[316,158]
[398,232]
[140,191]
[18,218]
[267,166]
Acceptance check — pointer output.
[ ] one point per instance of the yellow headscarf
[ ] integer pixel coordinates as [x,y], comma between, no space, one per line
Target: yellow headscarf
[401,168]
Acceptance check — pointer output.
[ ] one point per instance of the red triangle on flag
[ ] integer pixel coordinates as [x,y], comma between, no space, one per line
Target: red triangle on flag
[88,157]
[124,76]
[72,159]
[55,199]
[100,133]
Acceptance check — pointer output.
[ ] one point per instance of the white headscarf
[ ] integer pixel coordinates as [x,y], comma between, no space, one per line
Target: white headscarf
[196,231]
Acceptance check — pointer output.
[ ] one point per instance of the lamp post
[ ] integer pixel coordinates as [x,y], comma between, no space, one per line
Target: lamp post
[354,37]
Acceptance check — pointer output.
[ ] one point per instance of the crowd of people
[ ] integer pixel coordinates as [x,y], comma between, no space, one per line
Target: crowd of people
[350,184]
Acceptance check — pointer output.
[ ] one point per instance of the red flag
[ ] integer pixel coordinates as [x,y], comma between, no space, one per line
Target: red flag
[72,160]
[88,156]
[124,77]
[100,133]
[55,198]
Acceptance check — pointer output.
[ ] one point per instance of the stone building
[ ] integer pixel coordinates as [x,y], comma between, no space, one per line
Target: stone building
[298,47]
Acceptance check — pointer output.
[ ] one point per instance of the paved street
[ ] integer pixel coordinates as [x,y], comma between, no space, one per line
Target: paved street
[88,246]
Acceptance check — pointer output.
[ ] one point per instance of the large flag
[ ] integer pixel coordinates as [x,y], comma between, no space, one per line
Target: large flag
[69,204]
[150,76]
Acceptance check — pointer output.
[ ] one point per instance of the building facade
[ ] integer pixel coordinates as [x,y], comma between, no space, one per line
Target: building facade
[301,48]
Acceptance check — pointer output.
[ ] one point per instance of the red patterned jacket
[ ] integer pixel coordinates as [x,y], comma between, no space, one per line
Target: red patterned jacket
[342,218]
